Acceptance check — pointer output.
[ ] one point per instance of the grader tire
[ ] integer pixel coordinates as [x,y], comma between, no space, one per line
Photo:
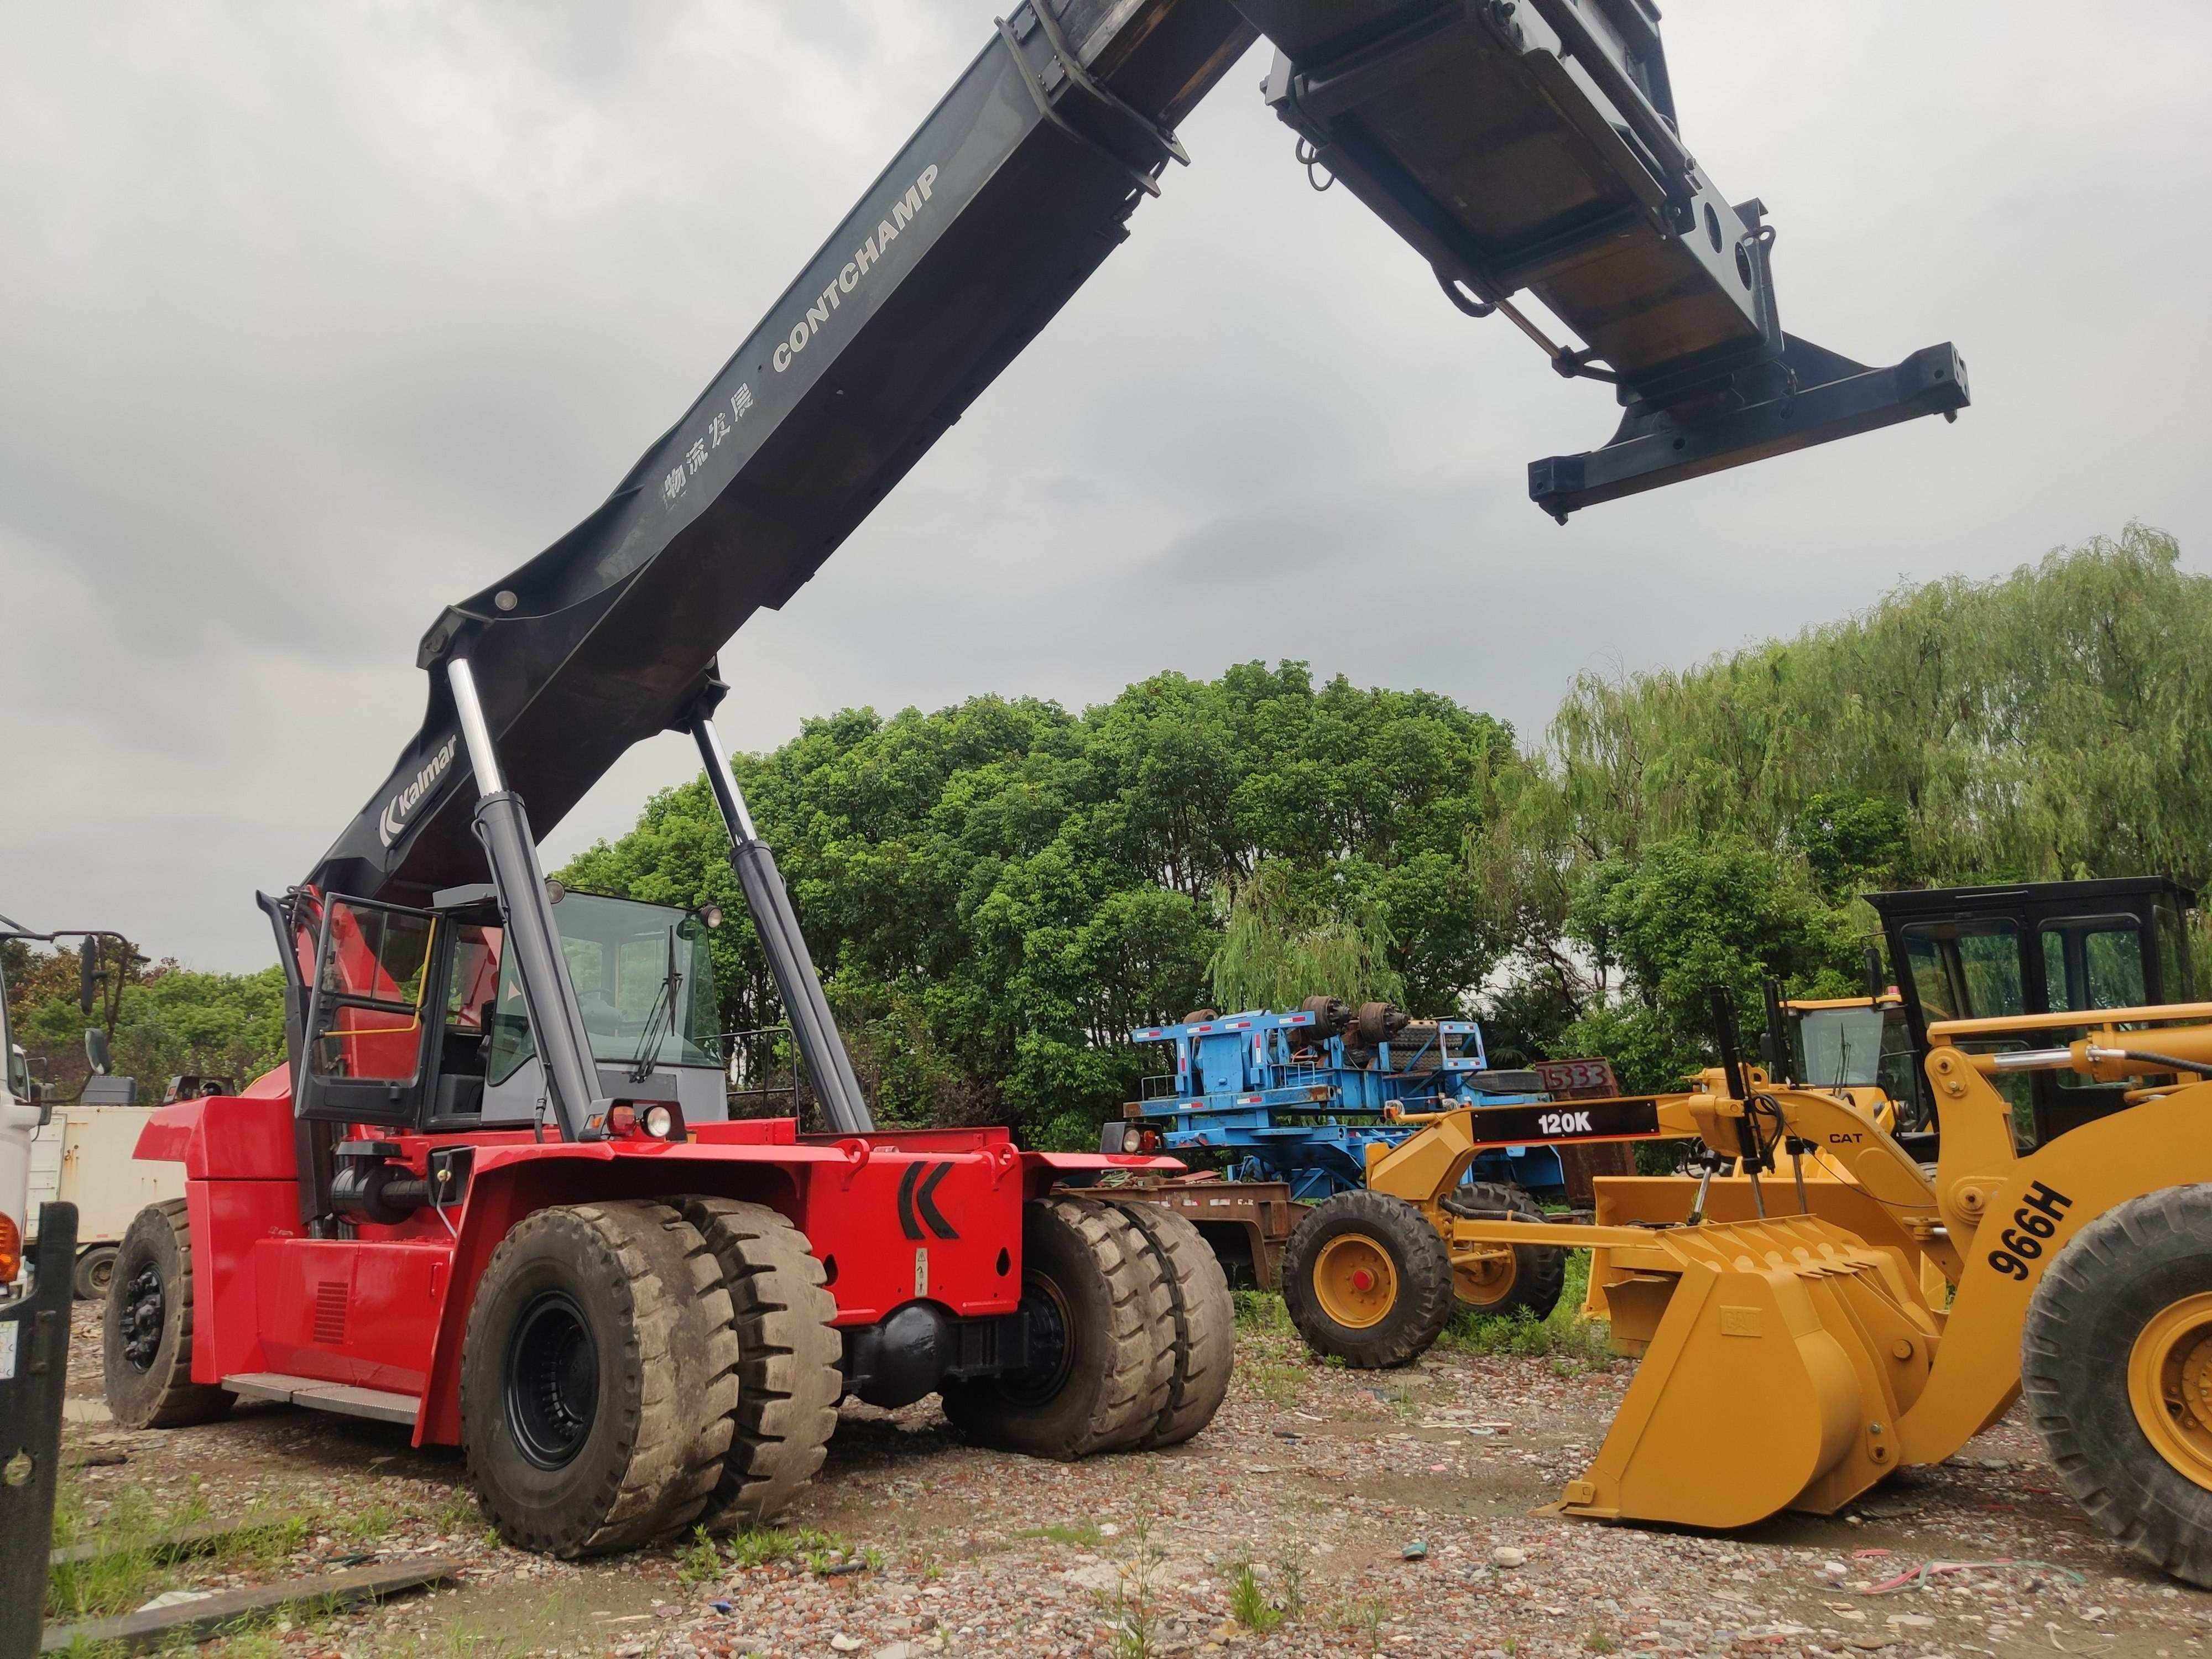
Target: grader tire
[1367,1280]
[2116,1365]
[1102,1385]
[1202,1322]
[1529,1280]
[788,1353]
[598,1378]
[147,1331]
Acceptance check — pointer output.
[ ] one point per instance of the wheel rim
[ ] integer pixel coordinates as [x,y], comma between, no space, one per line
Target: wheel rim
[1052,1344]
[2170,1385]
[1484,1280]
[552,1380]
[1355,1281]
[101,1274]
[144,1311]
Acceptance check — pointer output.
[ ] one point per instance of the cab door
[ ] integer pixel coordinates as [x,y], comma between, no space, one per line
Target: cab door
[373,1014]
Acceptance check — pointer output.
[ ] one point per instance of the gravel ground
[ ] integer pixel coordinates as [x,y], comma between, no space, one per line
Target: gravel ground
[1375,1514]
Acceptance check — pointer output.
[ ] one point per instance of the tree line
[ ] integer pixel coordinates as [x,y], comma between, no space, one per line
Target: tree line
[996,892]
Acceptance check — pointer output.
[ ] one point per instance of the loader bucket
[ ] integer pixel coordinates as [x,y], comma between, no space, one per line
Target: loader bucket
[1777,1357]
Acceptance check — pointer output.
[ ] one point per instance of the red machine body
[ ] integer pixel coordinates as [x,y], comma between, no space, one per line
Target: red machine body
[895,1217]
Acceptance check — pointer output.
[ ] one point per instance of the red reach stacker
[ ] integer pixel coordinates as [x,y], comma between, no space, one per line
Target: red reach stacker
[495,1195]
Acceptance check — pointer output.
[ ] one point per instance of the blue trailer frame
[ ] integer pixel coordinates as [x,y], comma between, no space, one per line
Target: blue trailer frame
[1274,1098]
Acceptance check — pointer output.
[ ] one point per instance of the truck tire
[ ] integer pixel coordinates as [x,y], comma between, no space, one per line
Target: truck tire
[598,1378]
[788,1354]
[1530,1277]
[95,1273]
[147,1343]
[1099,1299]
[1202,1322]
[1367,1280]
[2116,1366]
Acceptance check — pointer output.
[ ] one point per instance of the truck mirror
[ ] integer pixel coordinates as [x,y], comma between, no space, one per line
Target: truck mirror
[88,973]
[96,1051]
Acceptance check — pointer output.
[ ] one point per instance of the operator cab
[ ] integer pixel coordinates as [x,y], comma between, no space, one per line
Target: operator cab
[418,1020]
[1850,1042]
[2036,948]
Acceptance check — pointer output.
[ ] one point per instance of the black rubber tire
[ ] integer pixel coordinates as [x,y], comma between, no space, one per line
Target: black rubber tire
[1418,1258]
[1539,1272]
[642,1283]
[1202,1322]
[1110,1390]
[2117,1275]
[788,1353]
[162,1395]
[93,1274]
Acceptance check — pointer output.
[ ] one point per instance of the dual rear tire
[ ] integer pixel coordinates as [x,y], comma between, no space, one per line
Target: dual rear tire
[1131,1334]
[633,1369]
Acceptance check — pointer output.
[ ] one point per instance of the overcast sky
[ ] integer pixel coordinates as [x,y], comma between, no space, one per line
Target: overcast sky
[314,317]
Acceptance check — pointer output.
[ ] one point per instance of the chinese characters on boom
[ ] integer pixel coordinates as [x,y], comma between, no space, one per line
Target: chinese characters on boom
[719,427]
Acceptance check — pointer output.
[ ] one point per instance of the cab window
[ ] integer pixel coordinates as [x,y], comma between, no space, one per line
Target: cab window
[1965,969]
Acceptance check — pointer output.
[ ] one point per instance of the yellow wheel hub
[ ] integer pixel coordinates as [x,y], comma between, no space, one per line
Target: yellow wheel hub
[1482,1281]
[1355,1281]
[2170,1385]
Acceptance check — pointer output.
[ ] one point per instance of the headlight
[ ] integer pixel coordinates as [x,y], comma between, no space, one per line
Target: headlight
[1131,1140]
[659,1122]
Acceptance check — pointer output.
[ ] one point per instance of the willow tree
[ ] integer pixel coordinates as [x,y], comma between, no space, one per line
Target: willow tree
[1283,940]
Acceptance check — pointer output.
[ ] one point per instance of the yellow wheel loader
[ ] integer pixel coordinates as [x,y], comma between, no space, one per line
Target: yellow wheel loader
[2082,1274]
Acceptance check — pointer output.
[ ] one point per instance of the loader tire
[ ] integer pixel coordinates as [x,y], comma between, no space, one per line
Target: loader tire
[1202,1322]
[147,1339]
[1367,1280]
[598,1378]
[2116,1365]
[1530,1279]
[1098,1311]
[789,1357]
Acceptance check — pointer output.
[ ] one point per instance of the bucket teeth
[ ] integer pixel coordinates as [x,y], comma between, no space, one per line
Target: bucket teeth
[1789,1336]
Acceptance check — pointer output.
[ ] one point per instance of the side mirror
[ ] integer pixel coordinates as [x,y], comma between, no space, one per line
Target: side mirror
[88,973]
[45,1107]
[96,1051]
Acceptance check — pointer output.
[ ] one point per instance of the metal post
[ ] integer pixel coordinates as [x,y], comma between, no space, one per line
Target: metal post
[564,1046]
[34,1333]
[813,1028]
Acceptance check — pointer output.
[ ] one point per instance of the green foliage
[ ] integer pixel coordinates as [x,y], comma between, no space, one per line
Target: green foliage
[170,1020]
[1279,944]
[1708,826]
[997,893]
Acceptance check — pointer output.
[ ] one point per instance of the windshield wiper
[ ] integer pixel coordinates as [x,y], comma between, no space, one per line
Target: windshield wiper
[647,1053]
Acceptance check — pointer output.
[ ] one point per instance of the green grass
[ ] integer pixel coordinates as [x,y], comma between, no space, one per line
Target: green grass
[1262,1310]
[700,1561]
[1247,1601]
[1572,1343]
[133,1567]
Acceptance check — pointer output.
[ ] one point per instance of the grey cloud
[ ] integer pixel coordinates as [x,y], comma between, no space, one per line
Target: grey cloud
[314,317]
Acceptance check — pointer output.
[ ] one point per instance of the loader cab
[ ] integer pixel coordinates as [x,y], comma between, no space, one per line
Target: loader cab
[417,1018]
[2034,948]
